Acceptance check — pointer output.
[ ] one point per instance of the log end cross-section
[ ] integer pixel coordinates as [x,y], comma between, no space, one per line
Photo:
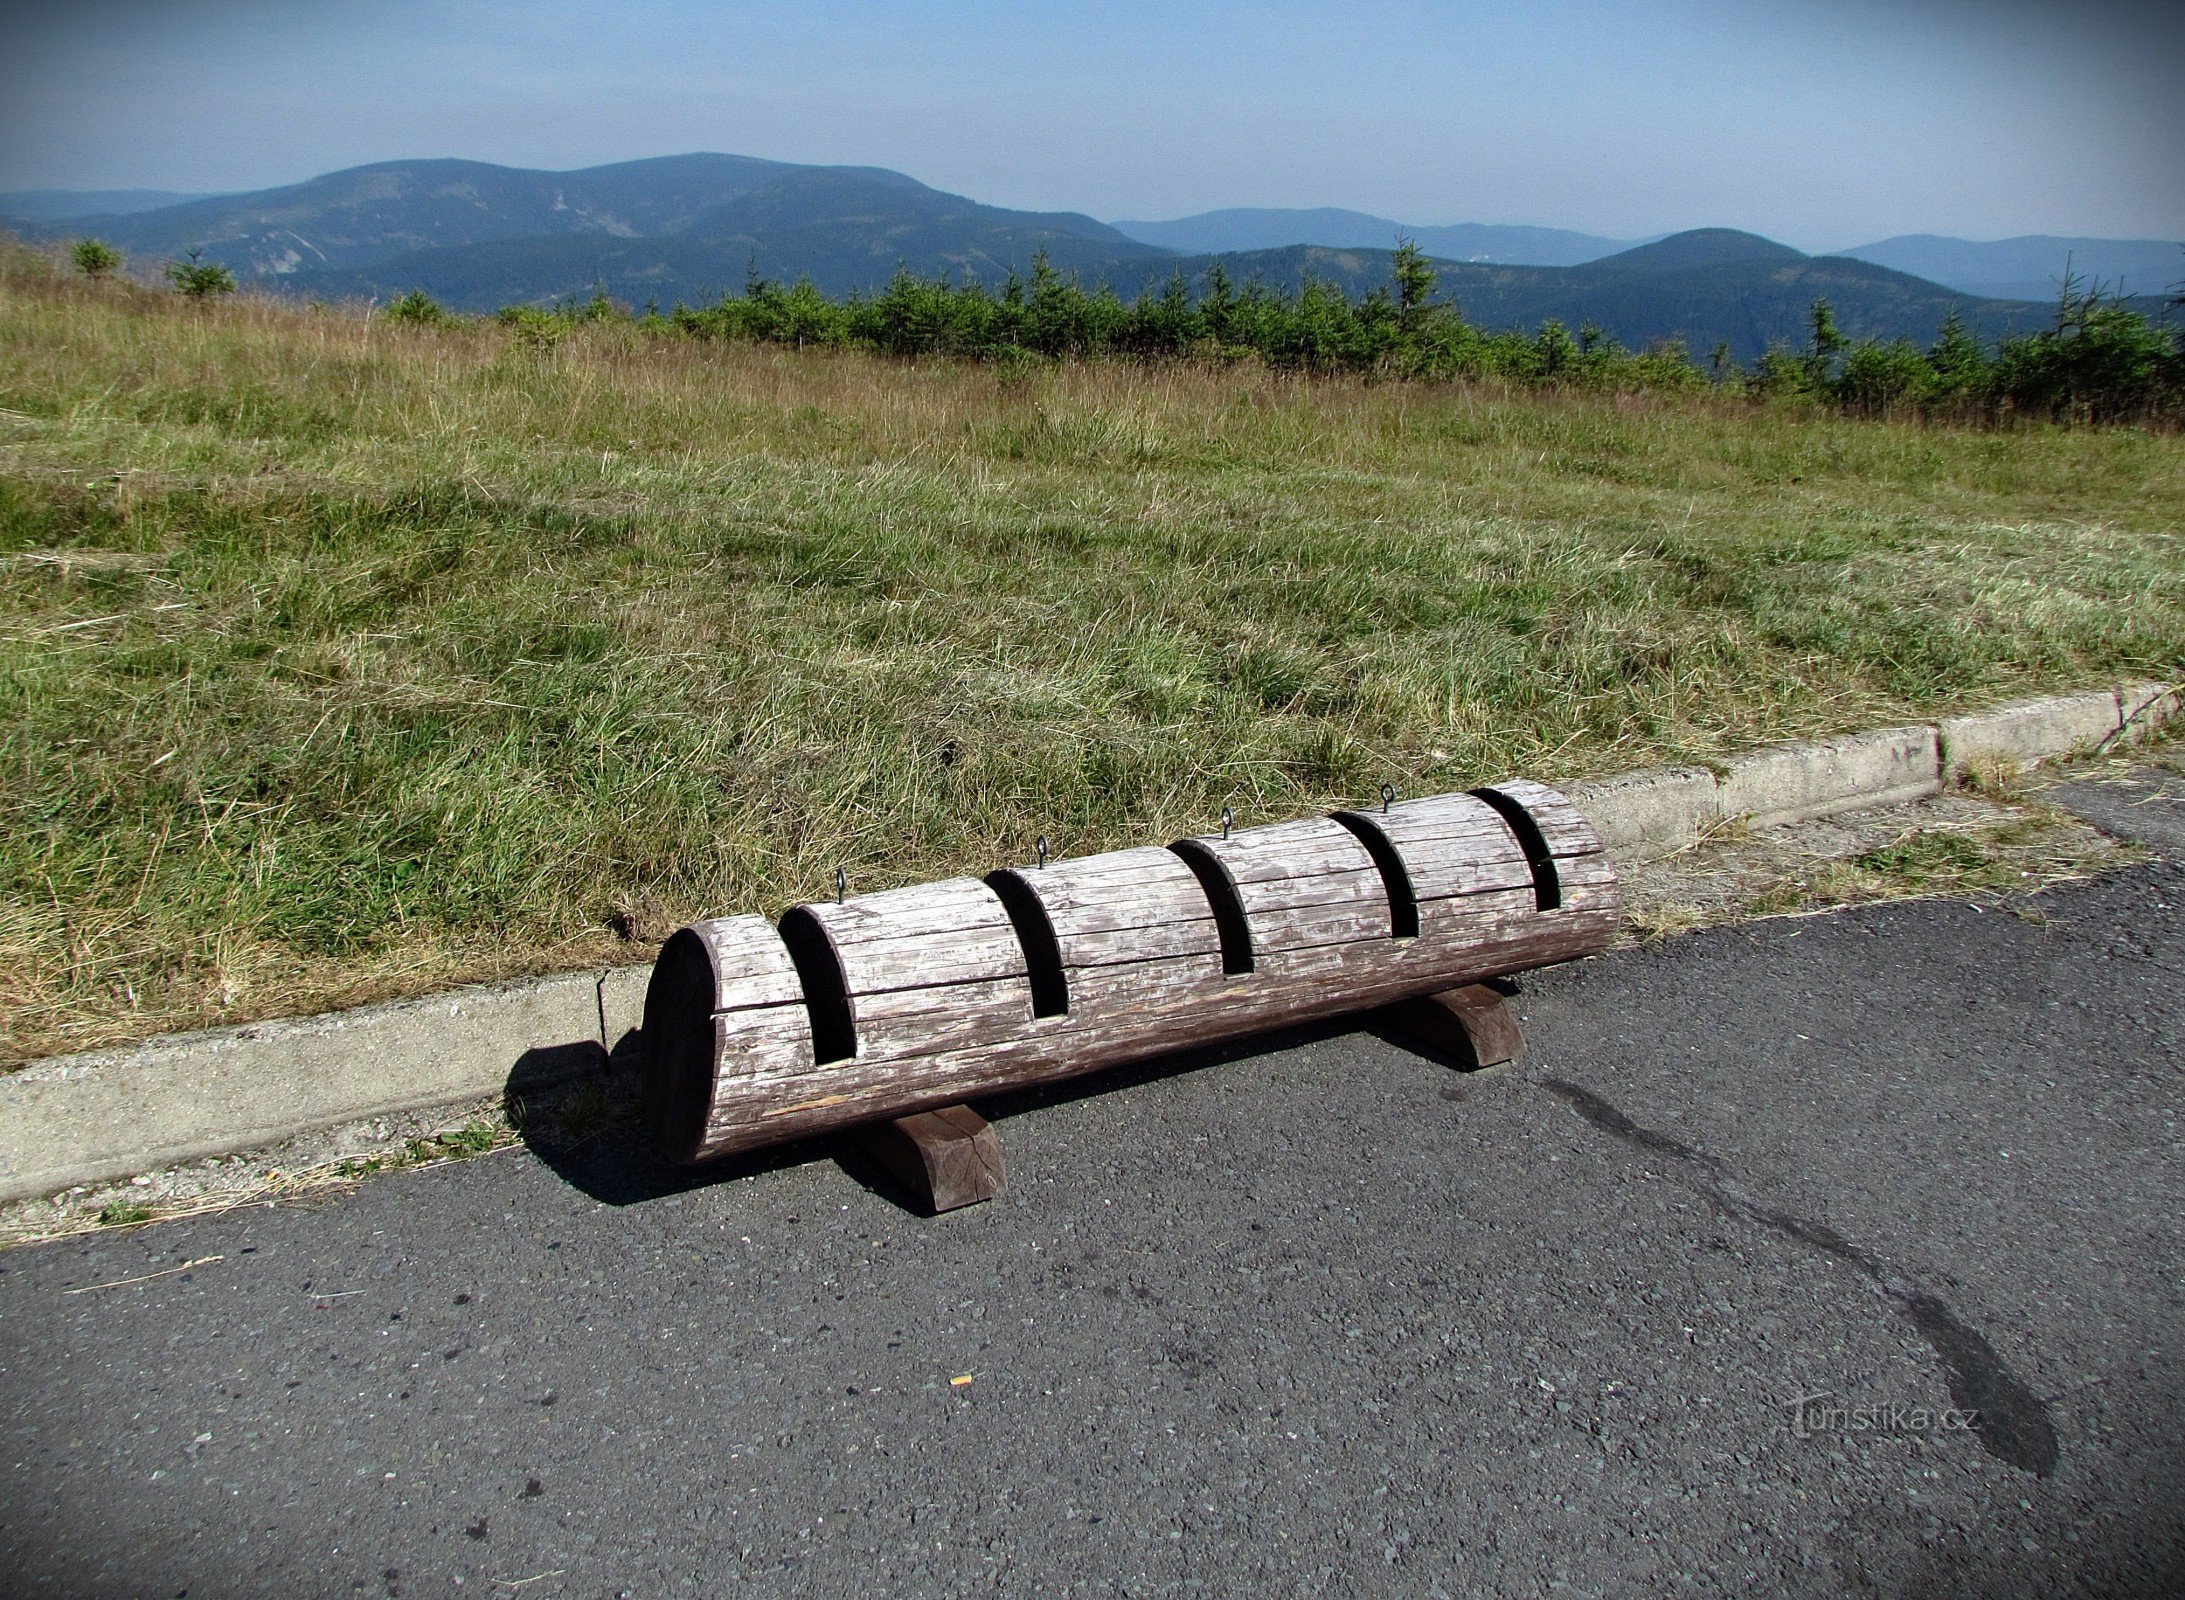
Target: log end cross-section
[725,1016]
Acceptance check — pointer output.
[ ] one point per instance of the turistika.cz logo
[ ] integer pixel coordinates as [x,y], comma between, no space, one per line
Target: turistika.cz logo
[1812,1414]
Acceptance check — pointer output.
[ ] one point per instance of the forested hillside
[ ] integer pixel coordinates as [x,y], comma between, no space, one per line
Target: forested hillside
[1709,287]
[687,230]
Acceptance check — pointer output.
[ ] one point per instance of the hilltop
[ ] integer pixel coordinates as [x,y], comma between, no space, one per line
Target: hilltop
[479,236]
[847,232]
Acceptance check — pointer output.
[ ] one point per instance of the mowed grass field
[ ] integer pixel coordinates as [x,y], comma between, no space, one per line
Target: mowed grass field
[340,660]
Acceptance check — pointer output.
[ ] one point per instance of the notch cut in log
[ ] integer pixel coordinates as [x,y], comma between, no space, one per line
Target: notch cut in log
[948,1158]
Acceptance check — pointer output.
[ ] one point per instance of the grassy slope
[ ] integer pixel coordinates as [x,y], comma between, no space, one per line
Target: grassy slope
[338,660]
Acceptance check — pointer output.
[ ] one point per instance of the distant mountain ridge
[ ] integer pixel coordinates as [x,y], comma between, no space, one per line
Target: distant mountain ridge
[1708,286]
[362,215]
[690,228]
[480,236]
[847,229]
[52,205]
[1257,228]
[2031,266]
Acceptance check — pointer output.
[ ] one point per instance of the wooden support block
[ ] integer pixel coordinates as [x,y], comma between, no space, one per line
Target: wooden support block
[947,1158]
[1474,1025]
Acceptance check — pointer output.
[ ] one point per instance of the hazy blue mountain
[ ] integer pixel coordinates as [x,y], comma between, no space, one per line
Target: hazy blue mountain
[53,205]
[1709,286]
[1698,248]
[1254,228]
[368,214]
[2032,266]
[688,228]
[845,229]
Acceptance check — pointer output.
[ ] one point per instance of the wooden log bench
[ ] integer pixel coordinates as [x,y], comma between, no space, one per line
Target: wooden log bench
[878,1007]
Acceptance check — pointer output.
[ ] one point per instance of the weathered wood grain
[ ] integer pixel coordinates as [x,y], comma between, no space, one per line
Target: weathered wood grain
[1561,824]
[1101,873]
[1238,1006]
[901,1024]
[920,961]
[1131,929]
[1285,851]
[939,934]
[953,905]
[1361,915]
[1097,884]
[1155,941]
[1118,893]
[1169,1019]
[763,1044]
[949,1018]
[934,968]
[1101,995]
[1579,874]
[1458,920]
[1451,816]
[1116,908]
[751,967]
[1451,845]
[940,985]
[1303,884]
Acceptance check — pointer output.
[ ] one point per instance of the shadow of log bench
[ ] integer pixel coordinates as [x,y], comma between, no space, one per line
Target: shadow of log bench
[872,1009]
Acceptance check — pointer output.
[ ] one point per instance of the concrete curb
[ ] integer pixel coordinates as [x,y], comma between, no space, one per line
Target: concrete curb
[1797,782]
[2021,735]
[1645,816]
[112,1113]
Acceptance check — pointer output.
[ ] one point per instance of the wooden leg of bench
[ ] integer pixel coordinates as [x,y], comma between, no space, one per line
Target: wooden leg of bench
[1474,1025]
[946,1158]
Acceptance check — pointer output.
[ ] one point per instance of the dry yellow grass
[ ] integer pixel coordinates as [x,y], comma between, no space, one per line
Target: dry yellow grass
[339,659]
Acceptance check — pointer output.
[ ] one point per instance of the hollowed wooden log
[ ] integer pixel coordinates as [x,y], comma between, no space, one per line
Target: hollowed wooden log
[895,1002]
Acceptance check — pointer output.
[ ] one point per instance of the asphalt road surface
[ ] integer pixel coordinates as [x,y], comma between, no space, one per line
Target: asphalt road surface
[1809,1257]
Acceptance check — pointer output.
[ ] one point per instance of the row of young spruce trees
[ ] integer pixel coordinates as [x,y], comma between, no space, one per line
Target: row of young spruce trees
[2101,362]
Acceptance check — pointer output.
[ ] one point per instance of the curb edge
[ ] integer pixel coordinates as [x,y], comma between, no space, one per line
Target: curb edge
[108,1114]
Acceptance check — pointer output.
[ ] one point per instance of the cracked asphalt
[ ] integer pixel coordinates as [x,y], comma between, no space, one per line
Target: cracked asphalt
[1810,1256]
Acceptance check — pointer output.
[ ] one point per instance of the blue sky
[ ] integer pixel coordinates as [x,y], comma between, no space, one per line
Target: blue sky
[1821,122]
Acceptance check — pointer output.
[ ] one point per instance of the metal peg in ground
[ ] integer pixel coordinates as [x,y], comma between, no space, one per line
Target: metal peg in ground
[891,1003]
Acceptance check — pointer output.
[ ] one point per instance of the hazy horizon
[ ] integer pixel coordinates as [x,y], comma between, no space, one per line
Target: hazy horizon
[1821,124]
[1118,220]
